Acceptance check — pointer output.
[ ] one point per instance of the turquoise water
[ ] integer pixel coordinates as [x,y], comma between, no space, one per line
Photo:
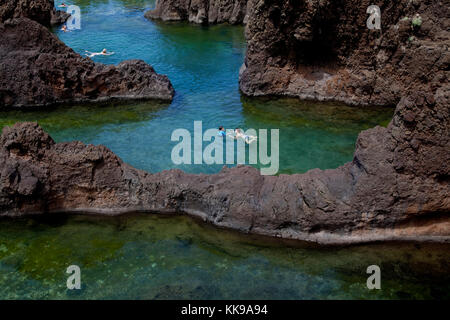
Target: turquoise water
[153,257]
[203,64]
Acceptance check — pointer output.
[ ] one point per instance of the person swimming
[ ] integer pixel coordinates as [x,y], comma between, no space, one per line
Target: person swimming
[63,5]
[238,133]
[64,28]
[101,53]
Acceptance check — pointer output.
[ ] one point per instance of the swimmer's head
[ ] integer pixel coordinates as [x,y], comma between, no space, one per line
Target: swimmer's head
[104,51]
[220,128]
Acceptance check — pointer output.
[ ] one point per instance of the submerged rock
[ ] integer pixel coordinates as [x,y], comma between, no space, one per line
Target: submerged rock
[200,11]
[323,50]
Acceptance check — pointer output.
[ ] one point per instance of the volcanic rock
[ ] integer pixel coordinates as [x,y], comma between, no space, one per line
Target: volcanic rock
[37,69]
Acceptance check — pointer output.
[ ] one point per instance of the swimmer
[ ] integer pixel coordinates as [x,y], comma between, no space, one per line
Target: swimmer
[102,53]
[64,28]
[63,5]
[240,134]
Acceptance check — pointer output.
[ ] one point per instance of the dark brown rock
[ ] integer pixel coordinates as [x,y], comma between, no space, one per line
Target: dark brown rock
[389,192]
[323,50]
[200,11]
[37,69]
[42,11]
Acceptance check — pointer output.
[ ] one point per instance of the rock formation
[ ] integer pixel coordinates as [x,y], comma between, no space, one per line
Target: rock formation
[323,49]
[42,11]
[396,188]
[37,69]
[200,11]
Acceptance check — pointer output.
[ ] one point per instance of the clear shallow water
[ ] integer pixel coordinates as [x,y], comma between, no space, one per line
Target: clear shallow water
[203,65]
[154,257]
[145,257]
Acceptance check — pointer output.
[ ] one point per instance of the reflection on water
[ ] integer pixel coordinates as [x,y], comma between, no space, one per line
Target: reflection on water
[153,257]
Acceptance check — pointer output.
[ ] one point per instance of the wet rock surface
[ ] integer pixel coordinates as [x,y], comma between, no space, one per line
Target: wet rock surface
[323,50]
[200,11]
[37,69]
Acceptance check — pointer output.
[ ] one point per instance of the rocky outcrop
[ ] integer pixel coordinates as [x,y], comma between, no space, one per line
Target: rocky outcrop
[42,11]
[37,69]
[396,188]
[200,11]
[323,50]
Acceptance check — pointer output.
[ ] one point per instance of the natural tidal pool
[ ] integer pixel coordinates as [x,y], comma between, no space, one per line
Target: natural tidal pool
[203,64]
[176,257]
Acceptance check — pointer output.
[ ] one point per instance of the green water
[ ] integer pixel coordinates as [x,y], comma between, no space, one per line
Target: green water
[153,257]
[146,257]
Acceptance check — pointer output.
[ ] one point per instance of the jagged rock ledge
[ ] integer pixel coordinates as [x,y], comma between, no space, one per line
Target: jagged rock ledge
[37,69]
[200,11]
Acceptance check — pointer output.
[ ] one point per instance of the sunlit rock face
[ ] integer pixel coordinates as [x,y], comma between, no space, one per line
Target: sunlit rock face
[200,11]
[324,50]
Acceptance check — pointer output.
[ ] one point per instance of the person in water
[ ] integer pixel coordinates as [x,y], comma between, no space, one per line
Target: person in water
[64,28]
[63,5]
[221,132]
[101,53]
[239,133]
